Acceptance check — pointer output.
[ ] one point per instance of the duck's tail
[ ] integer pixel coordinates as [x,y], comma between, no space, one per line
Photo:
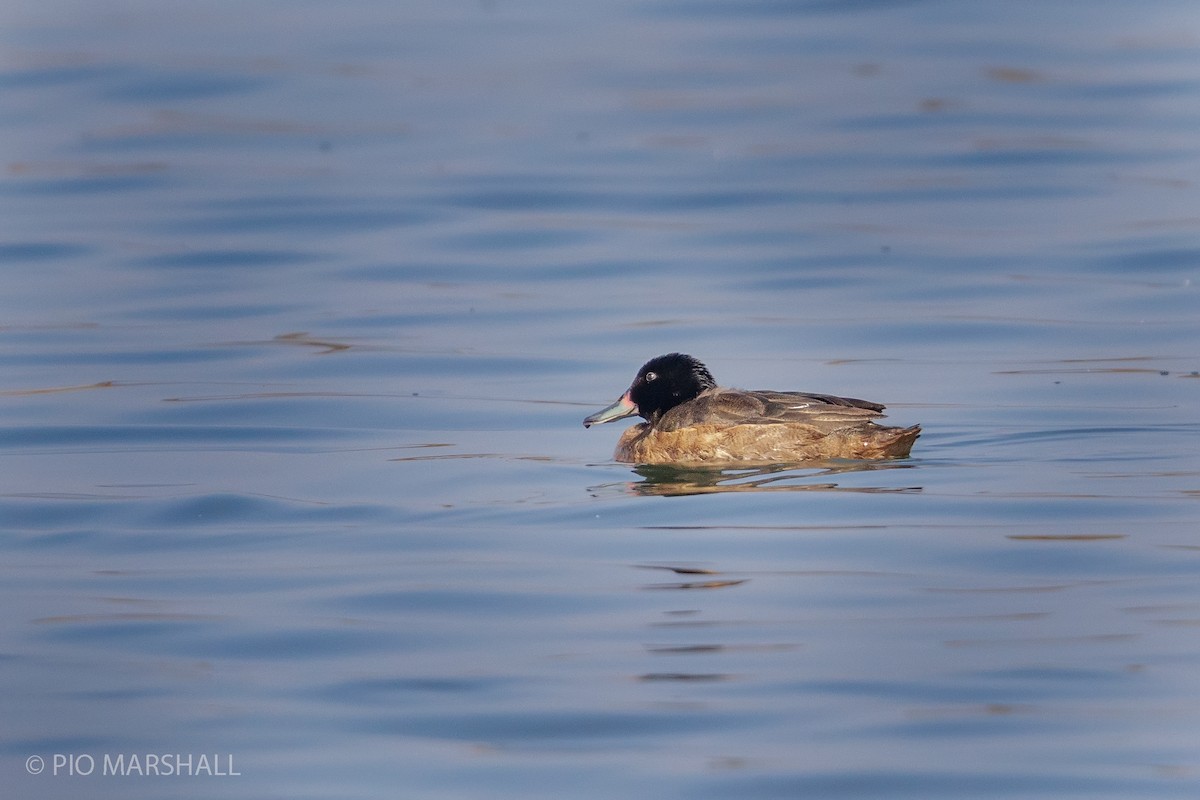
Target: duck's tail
[894,442]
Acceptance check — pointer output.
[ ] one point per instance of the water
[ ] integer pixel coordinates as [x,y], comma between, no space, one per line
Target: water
[303,305]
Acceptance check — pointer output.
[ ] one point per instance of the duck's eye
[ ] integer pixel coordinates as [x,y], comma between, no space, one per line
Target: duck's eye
[651,376]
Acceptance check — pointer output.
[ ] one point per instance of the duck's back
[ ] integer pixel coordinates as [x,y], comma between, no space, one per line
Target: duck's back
[722,408]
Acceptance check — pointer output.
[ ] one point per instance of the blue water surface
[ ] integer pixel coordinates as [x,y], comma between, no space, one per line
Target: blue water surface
[302,306]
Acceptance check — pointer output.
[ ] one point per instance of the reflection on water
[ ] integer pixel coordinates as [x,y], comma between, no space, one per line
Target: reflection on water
[707,583]
[669,481]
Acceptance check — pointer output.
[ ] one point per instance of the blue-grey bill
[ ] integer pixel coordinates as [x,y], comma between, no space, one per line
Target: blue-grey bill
[624,407]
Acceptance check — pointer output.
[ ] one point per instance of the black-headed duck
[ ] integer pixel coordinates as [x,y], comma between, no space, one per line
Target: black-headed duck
[689,419]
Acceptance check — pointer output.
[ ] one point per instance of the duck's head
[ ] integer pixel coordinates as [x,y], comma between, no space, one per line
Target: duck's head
[661,384]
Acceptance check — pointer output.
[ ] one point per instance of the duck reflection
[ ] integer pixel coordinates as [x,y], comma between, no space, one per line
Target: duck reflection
[669,480]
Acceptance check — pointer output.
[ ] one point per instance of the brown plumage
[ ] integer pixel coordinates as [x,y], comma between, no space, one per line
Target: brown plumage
[689,419]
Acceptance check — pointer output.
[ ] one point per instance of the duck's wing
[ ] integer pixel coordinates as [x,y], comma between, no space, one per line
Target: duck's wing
[804,404]
[726,407]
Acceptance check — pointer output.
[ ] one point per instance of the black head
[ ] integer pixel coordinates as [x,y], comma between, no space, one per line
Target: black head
[666,381]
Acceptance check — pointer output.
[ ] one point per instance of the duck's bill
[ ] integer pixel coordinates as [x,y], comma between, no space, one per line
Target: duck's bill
[624,407]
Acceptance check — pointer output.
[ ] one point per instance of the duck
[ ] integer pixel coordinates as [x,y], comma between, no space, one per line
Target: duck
[689,419]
